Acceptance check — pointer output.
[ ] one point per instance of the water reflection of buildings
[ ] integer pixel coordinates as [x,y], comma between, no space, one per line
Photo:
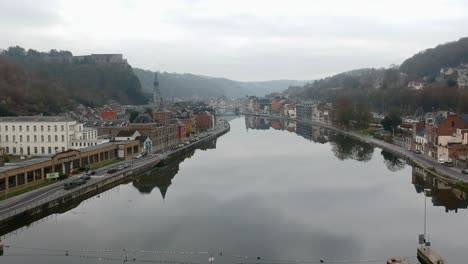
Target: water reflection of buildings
[160,177]
[442,193]
[257,123]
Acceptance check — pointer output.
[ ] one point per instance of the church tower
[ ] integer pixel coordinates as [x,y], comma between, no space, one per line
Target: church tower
[157,98]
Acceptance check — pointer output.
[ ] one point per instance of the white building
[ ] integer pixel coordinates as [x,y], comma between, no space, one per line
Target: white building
[44,135]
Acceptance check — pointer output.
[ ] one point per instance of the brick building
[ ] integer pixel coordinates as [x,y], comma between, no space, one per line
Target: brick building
[204,121]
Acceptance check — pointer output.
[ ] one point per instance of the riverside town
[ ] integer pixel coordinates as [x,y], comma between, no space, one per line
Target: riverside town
[233,132]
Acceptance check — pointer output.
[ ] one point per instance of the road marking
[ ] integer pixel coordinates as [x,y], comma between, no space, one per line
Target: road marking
[27,201]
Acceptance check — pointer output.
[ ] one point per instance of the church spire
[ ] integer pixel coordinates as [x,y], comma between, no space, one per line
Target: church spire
[157,98]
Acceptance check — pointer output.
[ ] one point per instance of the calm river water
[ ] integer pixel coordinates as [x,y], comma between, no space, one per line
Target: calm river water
[275,190]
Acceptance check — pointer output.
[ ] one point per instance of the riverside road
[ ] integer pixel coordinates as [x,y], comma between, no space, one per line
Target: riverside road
[422,160]
[23,202]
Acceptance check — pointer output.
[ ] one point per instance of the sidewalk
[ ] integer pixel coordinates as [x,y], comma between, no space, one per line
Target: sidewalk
[424,162]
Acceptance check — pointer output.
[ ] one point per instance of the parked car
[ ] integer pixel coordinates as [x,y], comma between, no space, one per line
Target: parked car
[464,171]
[441,161]
[89,173]
[138,156]
[448,163]
[417,151]
[113,170]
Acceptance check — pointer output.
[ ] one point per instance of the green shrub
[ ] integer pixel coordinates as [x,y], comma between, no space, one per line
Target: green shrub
[62,176]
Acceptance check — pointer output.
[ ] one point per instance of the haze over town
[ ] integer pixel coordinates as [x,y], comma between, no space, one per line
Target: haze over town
[240,40]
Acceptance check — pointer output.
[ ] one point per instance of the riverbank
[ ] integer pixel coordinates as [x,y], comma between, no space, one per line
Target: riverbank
[49,201]
[426,163]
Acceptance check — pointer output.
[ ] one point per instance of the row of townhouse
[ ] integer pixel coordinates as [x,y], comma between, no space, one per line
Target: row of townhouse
[281,106]
[442,136]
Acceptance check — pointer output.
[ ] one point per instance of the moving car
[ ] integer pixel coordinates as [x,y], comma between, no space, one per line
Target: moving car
[85,177]
[70,185]
[80,181]
[113,170]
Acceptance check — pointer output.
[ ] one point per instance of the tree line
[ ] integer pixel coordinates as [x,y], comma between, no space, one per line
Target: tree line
[30,84]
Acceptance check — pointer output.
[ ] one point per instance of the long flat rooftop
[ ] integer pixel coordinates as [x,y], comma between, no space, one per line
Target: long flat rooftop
[12,166]
[35,119]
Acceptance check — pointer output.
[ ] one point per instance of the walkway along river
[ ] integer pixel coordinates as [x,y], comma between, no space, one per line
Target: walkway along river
[427,163]
[269,190]
[55,198]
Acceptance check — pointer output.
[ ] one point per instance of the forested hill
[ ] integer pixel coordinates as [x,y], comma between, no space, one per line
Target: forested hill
[33,82]
[190,86]
[428,63]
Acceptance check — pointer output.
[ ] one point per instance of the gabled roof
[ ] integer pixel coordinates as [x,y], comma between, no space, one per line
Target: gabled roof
[126,133]
[143,118]
[107,123]
[439,119]
[464,117]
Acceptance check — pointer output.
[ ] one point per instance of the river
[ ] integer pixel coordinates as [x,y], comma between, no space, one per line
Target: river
[269,191]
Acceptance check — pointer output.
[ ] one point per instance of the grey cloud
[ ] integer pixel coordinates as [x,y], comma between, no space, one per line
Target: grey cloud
[29,13]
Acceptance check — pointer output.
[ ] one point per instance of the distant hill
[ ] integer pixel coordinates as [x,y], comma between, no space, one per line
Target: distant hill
[33,82]
[428,63]
[354,80]
[190,86]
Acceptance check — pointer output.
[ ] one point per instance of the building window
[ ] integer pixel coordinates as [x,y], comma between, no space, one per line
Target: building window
[20,128]
[6,128]
[6,138]
[62,128]
[35,150]
[453,123]
[27,128]
[48,139]
[50,150]
[48,128]
[35,138]
[42,128]
[55,128]
[14,138]
[34,128]
[42,150]
[13,128]
[14,150]
[7,149]
[63,148]
[27,138]
[56,138]
[21,150]
[63,138]
[21,138]
[42,138]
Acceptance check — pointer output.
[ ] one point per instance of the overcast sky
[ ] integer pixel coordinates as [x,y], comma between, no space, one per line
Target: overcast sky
[242,40]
